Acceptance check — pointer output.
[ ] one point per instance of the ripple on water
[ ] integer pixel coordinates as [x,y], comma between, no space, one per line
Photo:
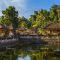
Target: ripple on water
[25,58]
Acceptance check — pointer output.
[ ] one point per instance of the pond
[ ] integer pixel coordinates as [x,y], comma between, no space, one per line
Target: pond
[29,55]
[25,58]
[29,51]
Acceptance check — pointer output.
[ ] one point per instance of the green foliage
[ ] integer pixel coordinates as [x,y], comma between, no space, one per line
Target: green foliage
[23,22]
[38,20]
[10,16]
[42,18]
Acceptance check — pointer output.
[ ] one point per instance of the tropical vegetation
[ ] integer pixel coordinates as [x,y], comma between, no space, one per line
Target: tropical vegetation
[36,21]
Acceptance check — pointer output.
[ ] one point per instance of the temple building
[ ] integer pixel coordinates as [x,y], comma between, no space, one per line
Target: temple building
[10,30]
[52,29]
[21,30]
[2,32]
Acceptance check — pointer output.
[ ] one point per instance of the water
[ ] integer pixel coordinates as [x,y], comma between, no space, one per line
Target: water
[29,55]
[25,58]
[33,51]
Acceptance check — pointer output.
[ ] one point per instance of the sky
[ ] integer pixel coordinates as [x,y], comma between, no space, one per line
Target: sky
[27,7]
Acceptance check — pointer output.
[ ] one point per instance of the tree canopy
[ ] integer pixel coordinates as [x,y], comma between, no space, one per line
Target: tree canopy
[10,16]
[38,20]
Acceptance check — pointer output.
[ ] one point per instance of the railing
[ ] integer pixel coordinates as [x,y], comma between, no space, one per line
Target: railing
[31,37]
[41,37]
[7,40]
[36,37]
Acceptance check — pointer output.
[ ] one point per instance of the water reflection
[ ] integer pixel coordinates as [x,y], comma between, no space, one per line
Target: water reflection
[24,58]
[30,55]
[33,51]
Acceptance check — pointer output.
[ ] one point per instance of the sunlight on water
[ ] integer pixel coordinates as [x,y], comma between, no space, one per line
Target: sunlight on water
[25,58]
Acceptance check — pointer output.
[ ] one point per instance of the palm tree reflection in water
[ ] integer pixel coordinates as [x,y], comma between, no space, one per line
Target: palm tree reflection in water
[24,58]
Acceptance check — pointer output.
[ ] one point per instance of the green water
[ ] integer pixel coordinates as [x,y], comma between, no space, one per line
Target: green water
[30,52]
[29,55]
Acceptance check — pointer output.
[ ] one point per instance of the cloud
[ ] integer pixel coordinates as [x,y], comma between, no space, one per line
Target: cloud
[0,12]
[17,0]
[20,5]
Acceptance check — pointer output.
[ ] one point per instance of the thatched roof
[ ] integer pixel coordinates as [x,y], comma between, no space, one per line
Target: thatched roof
[22,28]
[53,26]
[10,27]
[2,26]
